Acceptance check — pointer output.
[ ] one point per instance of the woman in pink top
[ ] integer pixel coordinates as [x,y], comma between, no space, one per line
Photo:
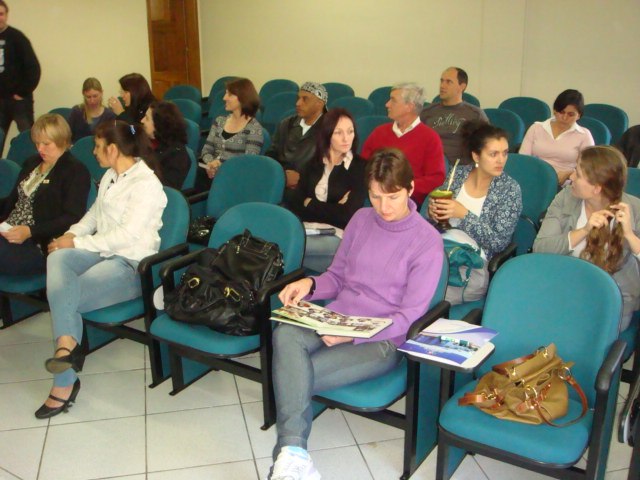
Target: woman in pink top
[559,140]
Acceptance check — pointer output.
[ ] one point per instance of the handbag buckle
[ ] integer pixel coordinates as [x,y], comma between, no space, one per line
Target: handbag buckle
[193,282]
[564,373]
[543,350]
[230,292]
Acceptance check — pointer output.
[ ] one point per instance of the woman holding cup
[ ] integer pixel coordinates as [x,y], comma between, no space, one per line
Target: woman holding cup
[484,207]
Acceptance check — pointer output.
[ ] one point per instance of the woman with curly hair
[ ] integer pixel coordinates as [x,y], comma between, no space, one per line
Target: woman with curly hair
[167,129]
[485,207]
[136,97]
[595,220]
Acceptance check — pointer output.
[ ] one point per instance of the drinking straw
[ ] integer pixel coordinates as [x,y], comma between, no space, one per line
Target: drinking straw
[453,171]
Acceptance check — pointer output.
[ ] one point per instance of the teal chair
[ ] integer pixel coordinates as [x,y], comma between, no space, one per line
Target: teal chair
[466,97]
[218,87]
[509,121]
[64,112]
[266,141]
[216,108]
[195,350]
[25,293]
[535,300]
[190,180]
[599,131]
[190,110]
[633,182]
[188,92]
[114,319]
[356,106]
[193,135]
[337,90]
[21,148]
[616,119]
[529,109]
[9,172]
[366,125]
[273,87]
[372,398]
[83,151]
[379,97]
[275,109]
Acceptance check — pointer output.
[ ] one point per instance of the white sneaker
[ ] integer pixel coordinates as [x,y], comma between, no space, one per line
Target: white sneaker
[294,463]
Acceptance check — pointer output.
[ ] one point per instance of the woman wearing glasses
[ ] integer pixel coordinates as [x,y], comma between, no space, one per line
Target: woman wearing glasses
[559,140]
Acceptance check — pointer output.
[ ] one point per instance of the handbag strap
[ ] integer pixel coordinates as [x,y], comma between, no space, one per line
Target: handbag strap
[583,399]
[504,367]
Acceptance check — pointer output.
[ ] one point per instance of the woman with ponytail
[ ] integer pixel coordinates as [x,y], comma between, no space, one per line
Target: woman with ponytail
[595,220]
[94,264]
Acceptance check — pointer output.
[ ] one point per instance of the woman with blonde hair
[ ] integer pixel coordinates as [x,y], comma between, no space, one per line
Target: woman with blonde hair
[86,116]
[595,220]
[49,196]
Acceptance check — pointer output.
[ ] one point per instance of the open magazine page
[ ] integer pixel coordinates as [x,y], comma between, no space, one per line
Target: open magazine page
[317,228]
[453,342]
[328,322]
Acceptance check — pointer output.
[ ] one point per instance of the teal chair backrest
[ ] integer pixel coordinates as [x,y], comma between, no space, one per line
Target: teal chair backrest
[633,182]
[616,119]
[190,179]
[366,125]
[337,90]
[216,108]
[599,131]
[266,141]
[175,219]
[538,183]
[184,91]
[190,110]
[269,222]
[528,108]
[275,107]
[509,121]
[93,194]
[193,134]
[379,97]
[218,87]
[65,112]
[540,298]
[356,106]
[278,85]
[21,148]
[9,171]
[83,151]
[245,178]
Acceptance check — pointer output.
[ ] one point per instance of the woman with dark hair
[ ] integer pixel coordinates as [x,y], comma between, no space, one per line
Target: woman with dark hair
[331,186]
[388,265]
[559,140]
[94,264]
[234,134]
[595,220]
[167,130]
[49,196]
[136,97]
[84,118]
[485,207]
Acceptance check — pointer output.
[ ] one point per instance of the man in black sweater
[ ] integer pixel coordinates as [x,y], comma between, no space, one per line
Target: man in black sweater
[19,76]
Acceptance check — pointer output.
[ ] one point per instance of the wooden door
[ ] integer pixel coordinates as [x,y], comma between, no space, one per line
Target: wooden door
[174,44]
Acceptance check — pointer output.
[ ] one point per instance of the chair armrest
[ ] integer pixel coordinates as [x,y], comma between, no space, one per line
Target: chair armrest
[440,310]
[279,283]
[198,197]
[146,264]
[474,317]
[499,258]
[611,364]
[169,268]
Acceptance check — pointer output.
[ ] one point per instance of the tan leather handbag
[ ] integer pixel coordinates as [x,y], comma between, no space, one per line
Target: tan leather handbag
[530,389]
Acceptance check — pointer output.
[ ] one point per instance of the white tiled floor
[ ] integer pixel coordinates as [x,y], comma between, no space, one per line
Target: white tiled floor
[120,429]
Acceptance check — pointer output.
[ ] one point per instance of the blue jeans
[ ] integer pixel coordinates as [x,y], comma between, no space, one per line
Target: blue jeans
[303,366]
[319,252]
[79,281]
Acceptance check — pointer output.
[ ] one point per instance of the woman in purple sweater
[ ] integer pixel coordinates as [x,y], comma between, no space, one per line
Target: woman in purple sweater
[388,265]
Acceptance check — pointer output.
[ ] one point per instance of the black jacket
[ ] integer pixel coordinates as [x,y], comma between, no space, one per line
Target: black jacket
[60,200]
[21,72]
[629,144]
[174,163]
[289,147]
[341,181]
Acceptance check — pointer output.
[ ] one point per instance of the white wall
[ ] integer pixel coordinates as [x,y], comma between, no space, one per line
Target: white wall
[508,47]
[76,39]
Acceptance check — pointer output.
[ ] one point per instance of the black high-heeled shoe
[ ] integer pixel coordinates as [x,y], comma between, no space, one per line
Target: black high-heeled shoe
[74,360]
[47,412]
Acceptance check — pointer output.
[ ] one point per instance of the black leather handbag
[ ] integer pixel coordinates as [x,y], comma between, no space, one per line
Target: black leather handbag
[220,289]
[200,230]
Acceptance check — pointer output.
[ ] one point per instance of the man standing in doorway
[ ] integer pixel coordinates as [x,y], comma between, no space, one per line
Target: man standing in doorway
[19,76]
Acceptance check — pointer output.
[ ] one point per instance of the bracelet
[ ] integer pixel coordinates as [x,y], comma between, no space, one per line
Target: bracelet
[313,285]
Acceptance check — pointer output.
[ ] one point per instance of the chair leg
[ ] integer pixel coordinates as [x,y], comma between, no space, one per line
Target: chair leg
[177,374]
[5,311]
[158,374]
